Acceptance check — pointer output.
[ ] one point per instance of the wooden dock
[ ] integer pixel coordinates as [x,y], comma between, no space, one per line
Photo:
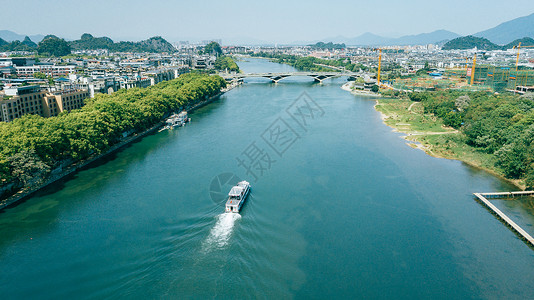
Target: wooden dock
[516,228]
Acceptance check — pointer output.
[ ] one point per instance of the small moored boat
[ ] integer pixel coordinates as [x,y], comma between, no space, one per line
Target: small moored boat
[237,196]
[177,120]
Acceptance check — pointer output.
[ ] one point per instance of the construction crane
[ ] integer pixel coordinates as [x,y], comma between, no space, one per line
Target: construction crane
[379,65]
[466,63]
[518,49]
[473,69]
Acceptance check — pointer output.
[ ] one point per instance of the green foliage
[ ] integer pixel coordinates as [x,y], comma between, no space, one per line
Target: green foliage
[5,171]
[375,88]
[88,42]
[28,167]
[153,44]
[510,158]
[39,75]
[526,41]
[501,125]
[32,140]
[213,48]
[25,45]
[329,45]
[53,46]
[418,97]
[470,42]
[311,63]
[224,62]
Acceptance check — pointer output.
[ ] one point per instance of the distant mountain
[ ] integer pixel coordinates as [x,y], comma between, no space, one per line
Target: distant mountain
[371,39]
[434,37]
[10,36]
[509,31]
[153,44]
[470,42]
[368,39]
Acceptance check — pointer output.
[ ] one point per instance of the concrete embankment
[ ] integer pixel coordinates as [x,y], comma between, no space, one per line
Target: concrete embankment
[72,169]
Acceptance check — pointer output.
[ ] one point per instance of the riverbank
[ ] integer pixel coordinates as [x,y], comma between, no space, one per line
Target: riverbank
[349,87]
[73,168]
[428,133]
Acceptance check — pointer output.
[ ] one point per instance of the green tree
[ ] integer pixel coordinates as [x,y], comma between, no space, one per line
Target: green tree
[28,168]
[39,75]
[213,48]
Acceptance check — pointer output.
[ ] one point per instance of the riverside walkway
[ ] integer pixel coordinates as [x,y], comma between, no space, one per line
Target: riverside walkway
[483,197]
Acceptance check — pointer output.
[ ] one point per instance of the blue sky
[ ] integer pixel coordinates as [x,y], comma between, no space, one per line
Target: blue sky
[275,21]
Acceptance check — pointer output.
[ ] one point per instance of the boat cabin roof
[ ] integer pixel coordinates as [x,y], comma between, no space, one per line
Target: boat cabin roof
[235,191]
[232,203]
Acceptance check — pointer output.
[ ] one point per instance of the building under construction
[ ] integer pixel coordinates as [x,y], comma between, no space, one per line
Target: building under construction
[504,78]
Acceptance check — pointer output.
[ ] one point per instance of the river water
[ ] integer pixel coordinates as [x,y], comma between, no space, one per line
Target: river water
[340,207]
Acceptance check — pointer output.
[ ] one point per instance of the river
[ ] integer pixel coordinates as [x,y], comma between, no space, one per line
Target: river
[340,207]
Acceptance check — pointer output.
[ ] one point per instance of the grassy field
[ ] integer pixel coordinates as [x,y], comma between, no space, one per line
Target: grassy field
[427,132]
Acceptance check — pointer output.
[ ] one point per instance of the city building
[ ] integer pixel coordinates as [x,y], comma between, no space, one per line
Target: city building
[54,71]
[21,100]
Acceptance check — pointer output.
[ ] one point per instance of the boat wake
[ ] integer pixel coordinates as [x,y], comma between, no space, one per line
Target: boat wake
[220,233]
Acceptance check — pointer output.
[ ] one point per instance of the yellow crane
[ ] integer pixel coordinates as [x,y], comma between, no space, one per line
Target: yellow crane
[379,65]
[517,57]
[473,69]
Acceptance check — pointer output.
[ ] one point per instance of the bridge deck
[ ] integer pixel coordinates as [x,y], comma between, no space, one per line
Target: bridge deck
[287,74]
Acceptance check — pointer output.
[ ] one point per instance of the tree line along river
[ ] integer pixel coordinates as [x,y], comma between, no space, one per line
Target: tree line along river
[340,208]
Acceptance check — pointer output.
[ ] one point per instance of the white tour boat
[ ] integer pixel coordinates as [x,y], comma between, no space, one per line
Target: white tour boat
[237,196]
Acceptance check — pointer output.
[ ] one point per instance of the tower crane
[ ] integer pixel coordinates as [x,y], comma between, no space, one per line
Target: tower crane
[518,49]
[473,69]
[379,65]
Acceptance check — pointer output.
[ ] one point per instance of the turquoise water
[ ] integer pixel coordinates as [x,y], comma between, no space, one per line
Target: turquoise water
[341,208]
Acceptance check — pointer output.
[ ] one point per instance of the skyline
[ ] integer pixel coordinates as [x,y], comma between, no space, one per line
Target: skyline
[240,21]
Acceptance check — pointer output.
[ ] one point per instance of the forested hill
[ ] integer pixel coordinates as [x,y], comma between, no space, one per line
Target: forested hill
[51,45]
[153,44]
[25,45]
[470,42]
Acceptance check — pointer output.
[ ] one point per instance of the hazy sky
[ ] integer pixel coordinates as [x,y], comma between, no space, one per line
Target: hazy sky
[273,20]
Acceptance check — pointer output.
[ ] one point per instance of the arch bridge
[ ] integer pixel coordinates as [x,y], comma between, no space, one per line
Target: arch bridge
[276,77]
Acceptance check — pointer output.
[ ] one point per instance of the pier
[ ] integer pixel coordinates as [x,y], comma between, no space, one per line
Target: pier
[516,228]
